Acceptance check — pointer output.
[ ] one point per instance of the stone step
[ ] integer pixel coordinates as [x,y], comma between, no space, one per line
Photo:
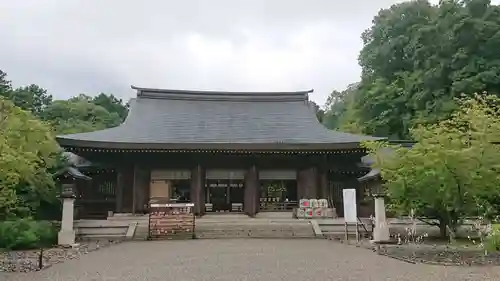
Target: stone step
[307,232]
[101,236]
[146,218]
[252,234]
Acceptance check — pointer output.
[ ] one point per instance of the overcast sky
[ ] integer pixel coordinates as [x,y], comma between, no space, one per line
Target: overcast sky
[92,46]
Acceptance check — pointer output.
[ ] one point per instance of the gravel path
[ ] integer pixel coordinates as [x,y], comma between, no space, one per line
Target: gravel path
[246,259]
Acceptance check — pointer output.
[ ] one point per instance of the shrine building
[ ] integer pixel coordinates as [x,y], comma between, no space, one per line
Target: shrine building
[245,152]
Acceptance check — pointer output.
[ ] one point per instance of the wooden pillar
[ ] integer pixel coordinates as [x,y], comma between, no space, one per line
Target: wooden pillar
[198,190]
[257,192]
[323,184]
[307,183]
[120,178]
[300,185]
[142,178]
[134,187]
[125,176]
[252,185]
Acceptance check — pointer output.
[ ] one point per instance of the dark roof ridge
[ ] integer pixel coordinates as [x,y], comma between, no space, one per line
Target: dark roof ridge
[151,93]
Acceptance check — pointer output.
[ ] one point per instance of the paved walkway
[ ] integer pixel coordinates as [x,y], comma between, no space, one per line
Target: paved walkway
[246,259]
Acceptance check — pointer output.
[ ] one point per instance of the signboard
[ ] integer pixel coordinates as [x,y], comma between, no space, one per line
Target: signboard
[171,220]
[350,208]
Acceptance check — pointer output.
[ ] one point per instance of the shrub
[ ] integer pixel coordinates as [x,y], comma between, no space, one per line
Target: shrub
[22,234]
[492,241]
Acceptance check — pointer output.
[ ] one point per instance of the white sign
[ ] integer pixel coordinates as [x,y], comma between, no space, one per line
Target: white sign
[350,208]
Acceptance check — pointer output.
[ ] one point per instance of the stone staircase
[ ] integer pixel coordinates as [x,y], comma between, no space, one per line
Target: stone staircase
[270,225]
[210,226]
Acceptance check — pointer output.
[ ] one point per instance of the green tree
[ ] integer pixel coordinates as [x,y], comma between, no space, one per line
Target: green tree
[339,111]
[79,115]
[32,98]
[453,169]
[5,85]
[27,148]
[320,113]
[417,58]
[112,104]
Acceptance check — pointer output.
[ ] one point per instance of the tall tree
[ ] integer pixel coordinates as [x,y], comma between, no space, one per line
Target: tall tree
[417,58]
[32,98]
[5,85]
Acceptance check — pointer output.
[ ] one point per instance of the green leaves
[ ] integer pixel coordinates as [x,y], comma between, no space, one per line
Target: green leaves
[29,155]
[27,148]
[77,116]
[452,170]
[417,58]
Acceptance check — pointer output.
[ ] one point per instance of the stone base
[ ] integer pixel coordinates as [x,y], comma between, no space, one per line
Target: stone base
[66,238]
[385,242]
[381,231]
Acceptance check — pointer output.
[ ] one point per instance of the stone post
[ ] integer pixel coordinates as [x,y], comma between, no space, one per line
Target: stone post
[381,230]
[66,236]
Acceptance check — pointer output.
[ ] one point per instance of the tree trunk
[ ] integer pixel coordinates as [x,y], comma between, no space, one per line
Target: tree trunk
[443,231]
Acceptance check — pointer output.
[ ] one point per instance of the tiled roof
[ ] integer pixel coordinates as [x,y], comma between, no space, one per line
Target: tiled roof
[196,119]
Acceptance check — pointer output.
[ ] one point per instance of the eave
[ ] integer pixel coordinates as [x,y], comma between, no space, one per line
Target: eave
[226,150]
[206,146]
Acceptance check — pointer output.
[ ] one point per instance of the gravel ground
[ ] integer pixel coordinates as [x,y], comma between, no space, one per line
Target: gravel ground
[26,261]
[246,259]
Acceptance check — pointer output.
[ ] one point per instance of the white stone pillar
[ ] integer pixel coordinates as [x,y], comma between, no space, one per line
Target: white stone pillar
[66,236]
[381,230]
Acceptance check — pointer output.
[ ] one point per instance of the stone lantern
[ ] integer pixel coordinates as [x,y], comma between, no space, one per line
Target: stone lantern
[66,236]
[374,183]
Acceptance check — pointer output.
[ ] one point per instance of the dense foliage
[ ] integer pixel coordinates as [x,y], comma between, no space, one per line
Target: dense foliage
[416,59]
[27,234]
[29,154]
[27,148]
[453,169]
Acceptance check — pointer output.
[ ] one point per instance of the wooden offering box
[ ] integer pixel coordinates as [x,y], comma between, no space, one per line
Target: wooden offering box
[171,220]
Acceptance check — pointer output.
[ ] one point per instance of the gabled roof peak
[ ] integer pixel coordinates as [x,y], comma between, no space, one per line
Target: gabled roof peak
[167,94]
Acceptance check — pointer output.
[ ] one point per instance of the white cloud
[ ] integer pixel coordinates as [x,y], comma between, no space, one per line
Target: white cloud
[75,46]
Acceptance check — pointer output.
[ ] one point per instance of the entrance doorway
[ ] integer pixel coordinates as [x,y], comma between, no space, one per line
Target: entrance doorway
[278,190]
[278,195]
[224,190]
[217,195]
[225,195]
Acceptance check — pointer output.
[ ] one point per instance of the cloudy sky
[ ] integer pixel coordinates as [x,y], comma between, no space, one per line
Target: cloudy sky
[91,46]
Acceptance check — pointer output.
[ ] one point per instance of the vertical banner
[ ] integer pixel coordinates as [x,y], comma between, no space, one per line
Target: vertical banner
[350,208]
